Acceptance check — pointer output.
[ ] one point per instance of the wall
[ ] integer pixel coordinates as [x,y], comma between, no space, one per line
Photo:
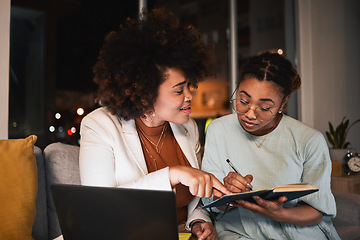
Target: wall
[266,25]
[329,60]
[4,66]
[272,28]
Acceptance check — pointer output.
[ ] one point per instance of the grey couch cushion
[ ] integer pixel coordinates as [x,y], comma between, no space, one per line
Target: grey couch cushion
[40,228]
[62,166]
[347,220]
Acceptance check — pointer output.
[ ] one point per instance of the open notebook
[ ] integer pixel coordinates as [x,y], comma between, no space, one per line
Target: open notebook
[86,212]
[291,191]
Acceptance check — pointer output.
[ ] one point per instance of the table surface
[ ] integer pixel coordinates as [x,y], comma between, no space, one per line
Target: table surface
[346,184]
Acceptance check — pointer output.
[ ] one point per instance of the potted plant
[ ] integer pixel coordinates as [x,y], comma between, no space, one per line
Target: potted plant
[337,138]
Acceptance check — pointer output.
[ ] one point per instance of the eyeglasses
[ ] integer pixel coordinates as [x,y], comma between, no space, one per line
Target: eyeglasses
[241,107]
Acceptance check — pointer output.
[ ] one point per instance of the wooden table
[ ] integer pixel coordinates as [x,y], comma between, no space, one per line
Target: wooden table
[346,184]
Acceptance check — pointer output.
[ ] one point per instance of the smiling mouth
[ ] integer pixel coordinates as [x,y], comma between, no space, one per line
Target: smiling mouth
[185,108]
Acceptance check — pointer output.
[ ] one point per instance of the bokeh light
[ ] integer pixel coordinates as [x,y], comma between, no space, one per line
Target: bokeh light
[52,129]
[80,111]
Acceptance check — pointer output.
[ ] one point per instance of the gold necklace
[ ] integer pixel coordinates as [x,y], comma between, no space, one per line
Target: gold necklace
[147,150]
[158,150]
[271,129]
[161,136]
[258,145]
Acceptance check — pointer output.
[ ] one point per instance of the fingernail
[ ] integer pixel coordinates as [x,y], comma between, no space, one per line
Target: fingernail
[249,185]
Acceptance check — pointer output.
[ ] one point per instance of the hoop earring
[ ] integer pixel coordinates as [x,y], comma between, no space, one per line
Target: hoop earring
[150,119]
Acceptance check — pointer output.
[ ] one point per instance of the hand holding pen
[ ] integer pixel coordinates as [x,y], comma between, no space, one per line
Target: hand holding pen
[235,182]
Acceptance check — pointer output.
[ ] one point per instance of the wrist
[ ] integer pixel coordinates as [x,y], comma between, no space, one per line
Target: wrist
[173,176]
[193,223]
[282,215]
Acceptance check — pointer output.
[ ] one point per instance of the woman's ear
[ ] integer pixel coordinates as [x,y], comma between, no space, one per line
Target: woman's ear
[283,103]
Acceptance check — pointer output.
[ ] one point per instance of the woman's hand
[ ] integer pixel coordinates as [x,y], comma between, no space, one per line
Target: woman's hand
[270,209]
[200,183]
[236,183]
[204,231]
[303,214]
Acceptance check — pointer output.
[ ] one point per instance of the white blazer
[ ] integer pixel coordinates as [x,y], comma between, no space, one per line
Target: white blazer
[111,156]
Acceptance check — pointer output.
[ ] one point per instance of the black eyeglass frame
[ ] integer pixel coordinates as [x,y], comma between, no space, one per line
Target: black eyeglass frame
[233,106]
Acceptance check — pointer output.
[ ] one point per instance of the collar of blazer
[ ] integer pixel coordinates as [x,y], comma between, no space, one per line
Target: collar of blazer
[182,136]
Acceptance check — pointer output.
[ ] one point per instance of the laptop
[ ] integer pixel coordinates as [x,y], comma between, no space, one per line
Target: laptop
[86,212]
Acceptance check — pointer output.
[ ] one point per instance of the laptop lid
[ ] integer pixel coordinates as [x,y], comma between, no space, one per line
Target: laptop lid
[86,212]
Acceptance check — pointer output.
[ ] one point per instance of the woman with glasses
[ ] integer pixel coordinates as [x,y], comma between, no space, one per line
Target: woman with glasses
[267,148]
[142,136]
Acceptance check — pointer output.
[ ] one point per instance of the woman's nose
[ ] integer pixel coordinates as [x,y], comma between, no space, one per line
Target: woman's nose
[188,95]
[250,113]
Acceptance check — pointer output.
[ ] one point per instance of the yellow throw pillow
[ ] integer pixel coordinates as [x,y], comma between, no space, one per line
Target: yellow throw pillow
[18,188]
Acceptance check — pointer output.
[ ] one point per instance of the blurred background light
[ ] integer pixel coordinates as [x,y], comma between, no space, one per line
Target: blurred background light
[73,130]
[80,111]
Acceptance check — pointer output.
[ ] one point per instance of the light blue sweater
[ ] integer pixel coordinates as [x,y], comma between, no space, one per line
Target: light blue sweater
[291,153]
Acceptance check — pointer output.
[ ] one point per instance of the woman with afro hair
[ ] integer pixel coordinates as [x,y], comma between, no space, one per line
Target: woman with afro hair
[142,136]
[268,149]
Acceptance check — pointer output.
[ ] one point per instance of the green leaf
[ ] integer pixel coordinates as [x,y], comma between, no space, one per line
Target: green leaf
[342,133]
[337,137]
[330,138]
[337,134]
[345,125]
[331,129]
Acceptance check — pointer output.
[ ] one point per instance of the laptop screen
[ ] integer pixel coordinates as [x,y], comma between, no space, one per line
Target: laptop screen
[86,212]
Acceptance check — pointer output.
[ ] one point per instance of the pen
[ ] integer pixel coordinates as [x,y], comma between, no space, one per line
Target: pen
[235,170]
[232,165]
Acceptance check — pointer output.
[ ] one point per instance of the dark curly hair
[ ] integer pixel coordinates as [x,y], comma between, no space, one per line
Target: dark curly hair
[133,60]
[274,68]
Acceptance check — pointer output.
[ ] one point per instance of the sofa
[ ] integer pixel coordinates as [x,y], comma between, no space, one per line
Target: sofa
[58,163]
[347,220]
